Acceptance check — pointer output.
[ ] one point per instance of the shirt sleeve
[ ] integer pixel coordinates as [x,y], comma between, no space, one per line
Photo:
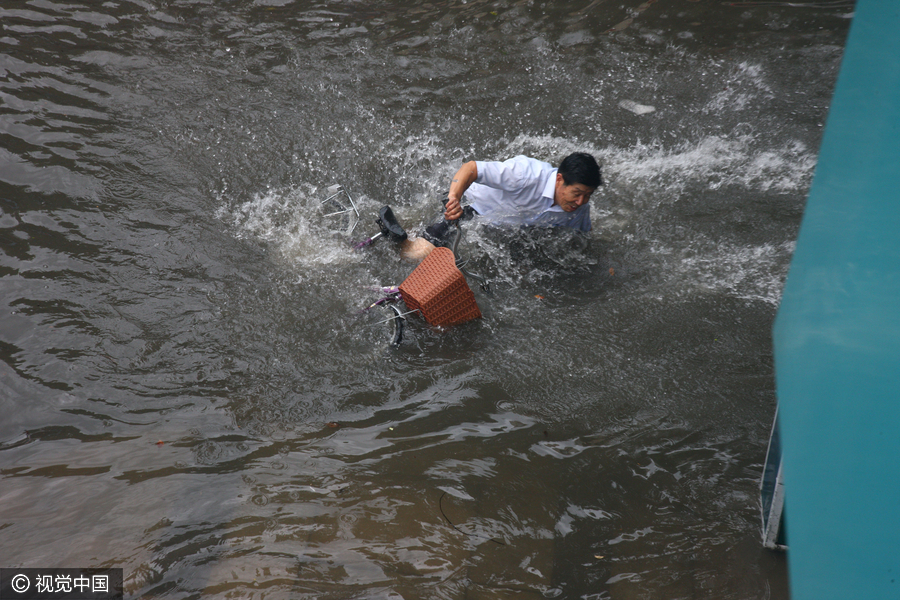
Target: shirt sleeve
[510,175]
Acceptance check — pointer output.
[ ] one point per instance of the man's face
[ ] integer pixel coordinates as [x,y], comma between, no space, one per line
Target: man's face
[570,197]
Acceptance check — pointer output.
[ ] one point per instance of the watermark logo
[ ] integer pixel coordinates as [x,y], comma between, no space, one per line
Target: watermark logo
[20,583]
[61,584]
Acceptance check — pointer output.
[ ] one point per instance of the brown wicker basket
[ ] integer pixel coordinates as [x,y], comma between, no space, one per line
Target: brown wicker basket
[438,290]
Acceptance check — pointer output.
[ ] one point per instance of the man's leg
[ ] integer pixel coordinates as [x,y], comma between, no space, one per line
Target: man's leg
[415,249]
[437,234]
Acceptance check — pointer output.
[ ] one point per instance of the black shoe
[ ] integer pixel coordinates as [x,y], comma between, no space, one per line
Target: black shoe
[442,232]
[389,225]
[438,233]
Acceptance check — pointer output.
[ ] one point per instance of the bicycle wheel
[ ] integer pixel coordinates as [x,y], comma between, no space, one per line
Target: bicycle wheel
[395,324]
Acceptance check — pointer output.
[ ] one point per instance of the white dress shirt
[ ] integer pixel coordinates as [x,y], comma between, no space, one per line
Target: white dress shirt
[519,191]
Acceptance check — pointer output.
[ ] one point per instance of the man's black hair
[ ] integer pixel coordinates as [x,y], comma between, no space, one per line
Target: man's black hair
[582,168]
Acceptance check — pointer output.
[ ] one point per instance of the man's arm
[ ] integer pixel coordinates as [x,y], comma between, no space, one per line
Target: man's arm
[461,181]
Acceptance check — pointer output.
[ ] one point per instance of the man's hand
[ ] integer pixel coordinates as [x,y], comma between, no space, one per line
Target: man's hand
[452,210]
[461,181]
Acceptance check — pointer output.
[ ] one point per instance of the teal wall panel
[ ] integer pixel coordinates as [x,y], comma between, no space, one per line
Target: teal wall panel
[837,335]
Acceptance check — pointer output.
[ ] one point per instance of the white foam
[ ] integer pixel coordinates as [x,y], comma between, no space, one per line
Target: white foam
[742,88]
[754,273]
[291,221]
[713,162]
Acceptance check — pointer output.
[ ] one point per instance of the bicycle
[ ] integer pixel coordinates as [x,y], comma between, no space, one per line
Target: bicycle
[345,210]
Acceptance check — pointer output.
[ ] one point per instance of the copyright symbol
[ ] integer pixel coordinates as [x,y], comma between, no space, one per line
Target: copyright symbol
[20,583]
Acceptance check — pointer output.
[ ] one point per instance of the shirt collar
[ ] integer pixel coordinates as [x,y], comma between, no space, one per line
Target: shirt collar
[550,191]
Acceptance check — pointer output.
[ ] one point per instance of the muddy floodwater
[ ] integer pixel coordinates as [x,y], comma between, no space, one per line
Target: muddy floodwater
[191,391]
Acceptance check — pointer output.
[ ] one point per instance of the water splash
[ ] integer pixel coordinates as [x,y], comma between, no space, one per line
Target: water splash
[294,222]
[710,164]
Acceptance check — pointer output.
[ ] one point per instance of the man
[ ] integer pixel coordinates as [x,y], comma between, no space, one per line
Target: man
[520,191]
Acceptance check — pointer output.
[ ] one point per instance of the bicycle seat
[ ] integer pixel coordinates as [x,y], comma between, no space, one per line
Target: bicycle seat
[389,225]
